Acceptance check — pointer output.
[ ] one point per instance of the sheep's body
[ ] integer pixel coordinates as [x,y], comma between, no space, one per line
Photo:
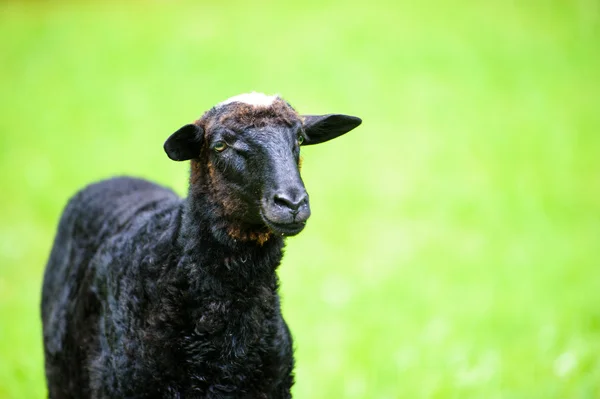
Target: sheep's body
[147,295]
[128,312]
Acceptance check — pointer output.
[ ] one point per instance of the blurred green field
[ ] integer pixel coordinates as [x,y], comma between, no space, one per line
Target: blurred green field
[453,250]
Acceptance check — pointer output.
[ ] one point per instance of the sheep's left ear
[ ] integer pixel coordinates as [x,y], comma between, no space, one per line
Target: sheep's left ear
[320,128]
[185,143]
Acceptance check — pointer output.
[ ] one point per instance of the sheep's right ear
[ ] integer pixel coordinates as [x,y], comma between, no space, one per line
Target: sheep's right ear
[185,143]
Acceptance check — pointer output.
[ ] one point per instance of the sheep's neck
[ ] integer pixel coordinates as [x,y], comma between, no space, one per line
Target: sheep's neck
[220,293]
[212,253]
[226,286]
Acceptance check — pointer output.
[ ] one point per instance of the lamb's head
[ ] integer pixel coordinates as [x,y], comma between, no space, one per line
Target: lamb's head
[245,153]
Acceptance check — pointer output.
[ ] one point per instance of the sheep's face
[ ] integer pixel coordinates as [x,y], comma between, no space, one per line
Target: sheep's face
[246,153]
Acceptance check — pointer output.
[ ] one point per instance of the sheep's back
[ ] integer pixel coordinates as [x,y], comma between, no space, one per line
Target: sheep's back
[103,209]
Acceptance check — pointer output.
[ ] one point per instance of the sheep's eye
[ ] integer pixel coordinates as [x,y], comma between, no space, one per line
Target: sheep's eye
[219,146]
[300,139]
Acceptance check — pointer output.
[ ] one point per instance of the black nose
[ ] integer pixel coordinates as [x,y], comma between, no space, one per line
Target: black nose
[291,200]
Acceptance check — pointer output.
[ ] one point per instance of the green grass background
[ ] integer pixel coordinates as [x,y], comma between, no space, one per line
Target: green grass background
[453,250]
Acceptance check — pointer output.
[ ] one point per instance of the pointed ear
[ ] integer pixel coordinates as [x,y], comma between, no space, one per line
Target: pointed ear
[320,128]
[185,143]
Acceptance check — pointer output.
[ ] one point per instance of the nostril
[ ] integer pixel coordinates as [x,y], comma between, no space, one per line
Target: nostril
[293,203]
[280,200]
[283,200]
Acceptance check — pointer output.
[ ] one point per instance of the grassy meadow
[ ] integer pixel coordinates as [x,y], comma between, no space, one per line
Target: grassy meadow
[454,247]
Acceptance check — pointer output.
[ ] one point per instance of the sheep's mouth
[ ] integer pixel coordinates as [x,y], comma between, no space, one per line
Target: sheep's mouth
[287,229]
[284,229]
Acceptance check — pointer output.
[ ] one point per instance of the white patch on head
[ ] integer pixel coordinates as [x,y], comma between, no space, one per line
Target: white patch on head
[254,98]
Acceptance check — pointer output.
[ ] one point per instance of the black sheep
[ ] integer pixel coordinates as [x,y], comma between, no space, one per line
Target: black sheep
[147,295]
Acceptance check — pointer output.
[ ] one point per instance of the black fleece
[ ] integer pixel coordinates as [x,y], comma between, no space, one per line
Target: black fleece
[146,296]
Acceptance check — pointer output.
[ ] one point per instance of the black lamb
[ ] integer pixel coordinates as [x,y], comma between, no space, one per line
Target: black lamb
[147,295]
